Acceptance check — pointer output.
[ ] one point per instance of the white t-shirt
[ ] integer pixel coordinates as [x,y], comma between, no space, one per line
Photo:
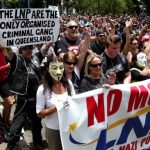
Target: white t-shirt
[48,99]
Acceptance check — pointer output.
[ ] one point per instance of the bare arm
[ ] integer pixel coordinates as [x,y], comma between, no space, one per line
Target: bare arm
[46,112]
[129,57]
[127,31]
[127,78]
[83,50]
[127,44]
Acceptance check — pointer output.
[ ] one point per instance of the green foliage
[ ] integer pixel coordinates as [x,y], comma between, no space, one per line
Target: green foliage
[100,6]
[13,3]
[147,4]
[90,6]
[33,3]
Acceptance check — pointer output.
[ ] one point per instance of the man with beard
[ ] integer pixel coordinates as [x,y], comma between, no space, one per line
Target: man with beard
[98,46]
[71,41]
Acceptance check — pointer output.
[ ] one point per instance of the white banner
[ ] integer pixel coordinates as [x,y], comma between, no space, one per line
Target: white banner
[28,26]
[117,118]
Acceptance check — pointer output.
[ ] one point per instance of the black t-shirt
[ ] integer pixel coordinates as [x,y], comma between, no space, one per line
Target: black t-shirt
[64,45]
[136,76]
[118,65]
[97,47]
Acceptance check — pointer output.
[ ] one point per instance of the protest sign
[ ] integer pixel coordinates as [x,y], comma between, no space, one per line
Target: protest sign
[117,118]
[28,26]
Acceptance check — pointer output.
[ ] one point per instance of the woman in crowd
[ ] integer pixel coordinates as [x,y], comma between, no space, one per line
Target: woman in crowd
[72,70]
[94,77]
[74,63]
[134,48]
[4,87]
[55,88]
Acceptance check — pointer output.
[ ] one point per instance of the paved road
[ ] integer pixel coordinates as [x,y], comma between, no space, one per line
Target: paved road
[27,132]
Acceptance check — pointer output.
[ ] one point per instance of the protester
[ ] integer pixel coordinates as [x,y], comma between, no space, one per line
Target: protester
[72,70]
[141,68]
[95,78]
[4,87]
[71,41]
[133,50]
[55,89]
[98,46]
[113,61]
[74,63]
[24,80]
[121,40]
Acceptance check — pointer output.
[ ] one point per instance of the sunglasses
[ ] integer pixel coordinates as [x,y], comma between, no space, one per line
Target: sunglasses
[101,35]
[96,65]
[70,63]
[73,27]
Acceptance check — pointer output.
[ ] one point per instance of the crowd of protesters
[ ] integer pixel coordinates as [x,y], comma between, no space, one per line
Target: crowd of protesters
[92,51]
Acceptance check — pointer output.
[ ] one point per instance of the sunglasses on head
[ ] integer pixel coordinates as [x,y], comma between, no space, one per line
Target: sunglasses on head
[73,27]
[96,65]
[70,63]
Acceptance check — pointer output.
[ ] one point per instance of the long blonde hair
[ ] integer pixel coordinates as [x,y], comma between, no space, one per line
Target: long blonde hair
[90,57]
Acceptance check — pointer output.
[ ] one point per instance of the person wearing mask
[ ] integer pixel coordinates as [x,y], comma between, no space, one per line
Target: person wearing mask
[55,89]
[141,68]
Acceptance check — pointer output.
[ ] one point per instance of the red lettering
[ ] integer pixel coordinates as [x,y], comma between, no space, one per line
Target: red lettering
[138,98]
[126,147]
[113,101]
[95,109]
[122,148]
[145,141]
[148,85]
[149,96]
[149,101]
[134,145]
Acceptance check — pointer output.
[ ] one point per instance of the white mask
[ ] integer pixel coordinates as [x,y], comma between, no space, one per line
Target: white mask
[56,70]
[141,59]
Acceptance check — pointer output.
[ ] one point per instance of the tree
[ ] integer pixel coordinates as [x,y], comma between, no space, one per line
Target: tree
[99,6]
[147,4]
